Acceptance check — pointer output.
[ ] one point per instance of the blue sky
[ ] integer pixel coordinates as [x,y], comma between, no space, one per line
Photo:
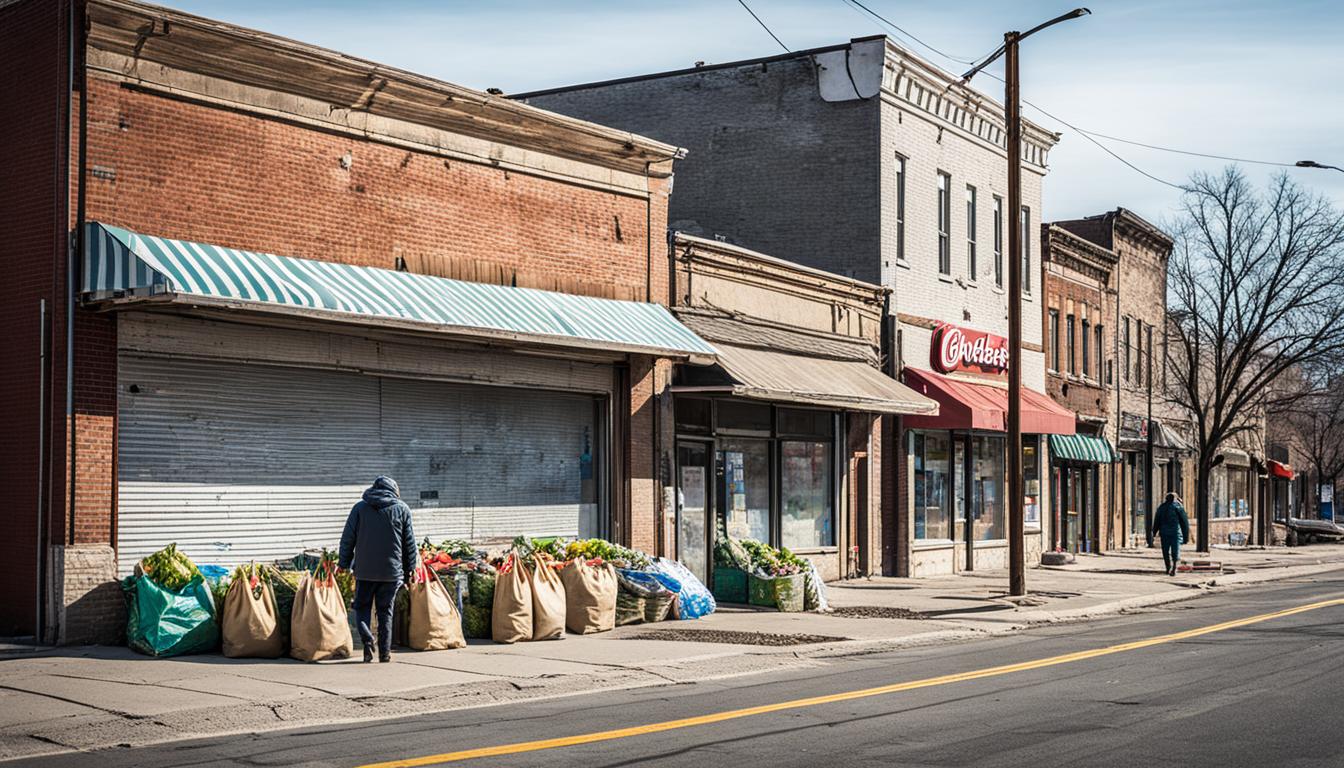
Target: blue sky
[1257,80]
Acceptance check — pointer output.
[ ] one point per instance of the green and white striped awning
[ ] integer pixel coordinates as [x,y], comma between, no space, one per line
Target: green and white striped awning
[121,265]
[1086,448]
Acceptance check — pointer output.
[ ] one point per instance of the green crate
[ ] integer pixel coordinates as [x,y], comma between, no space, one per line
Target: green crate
[730,585]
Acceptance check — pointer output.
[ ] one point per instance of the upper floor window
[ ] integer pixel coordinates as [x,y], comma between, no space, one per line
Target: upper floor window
[900,208]
[1087,346]
[944,223]
[1053,340]
[1026,249]
[1127,344]
[998,241]
[1101,351]
[970,231]
[1149,343]
[1138,352]
[1070,330]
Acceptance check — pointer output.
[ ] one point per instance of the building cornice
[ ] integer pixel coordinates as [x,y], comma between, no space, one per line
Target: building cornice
[919,85]
[149,34]
[753,266]
[1078,254]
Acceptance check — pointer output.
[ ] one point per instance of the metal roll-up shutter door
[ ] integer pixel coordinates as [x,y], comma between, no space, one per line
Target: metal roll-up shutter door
[239,462]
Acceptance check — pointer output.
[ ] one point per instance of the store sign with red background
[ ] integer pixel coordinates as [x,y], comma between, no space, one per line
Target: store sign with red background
[961,349]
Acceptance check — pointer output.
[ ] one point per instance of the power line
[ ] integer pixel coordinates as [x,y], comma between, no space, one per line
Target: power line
[743,3]
[877,16]
[1183,151]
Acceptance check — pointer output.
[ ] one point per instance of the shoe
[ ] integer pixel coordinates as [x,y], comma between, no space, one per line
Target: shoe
[384,658]
[368,654]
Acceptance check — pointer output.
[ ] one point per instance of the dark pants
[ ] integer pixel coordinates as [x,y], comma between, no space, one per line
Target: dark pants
[366,594]
[1171,551]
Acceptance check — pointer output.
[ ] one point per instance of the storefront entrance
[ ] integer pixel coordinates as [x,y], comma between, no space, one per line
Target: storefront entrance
[1076,500]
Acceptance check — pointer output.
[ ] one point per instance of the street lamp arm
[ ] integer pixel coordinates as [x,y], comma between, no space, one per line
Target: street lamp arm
[1314,164]
[1075,13]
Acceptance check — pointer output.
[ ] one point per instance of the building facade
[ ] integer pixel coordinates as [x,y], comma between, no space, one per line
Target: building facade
[863,160]
[780,440]
[244,291]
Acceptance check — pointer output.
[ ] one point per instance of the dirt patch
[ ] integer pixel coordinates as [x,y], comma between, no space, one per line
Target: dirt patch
[736,638]
[876,612]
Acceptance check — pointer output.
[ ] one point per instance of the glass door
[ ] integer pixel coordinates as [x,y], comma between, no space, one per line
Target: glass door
[695,511]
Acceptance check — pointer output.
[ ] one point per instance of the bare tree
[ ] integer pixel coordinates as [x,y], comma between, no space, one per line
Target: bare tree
[1314,426]
[1256,287]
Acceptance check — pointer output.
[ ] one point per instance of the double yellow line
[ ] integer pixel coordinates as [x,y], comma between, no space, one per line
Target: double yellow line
[765,709]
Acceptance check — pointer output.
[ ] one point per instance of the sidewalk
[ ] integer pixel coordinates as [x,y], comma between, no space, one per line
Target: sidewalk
[84,698]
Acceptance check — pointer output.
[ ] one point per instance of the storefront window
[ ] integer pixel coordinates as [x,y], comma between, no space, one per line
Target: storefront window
[746,488]
[1138,492]
[1238,495]
[1218,492]
[806,519]
[987,496]
[1031,480]
[932,454]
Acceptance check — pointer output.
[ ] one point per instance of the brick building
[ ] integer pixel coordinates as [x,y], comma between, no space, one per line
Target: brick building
[292,270]
[1079,279]
[864,160]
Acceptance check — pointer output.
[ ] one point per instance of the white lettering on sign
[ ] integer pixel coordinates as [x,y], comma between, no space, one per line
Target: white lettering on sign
[957,349]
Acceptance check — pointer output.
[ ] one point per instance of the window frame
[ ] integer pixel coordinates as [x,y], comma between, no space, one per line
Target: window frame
[1026,250]
[971,203]
[1127,351]
[998,242]
[1098,329]
[1052,361]
[944,223]
[1086,348]
[900,207]
[1070,343]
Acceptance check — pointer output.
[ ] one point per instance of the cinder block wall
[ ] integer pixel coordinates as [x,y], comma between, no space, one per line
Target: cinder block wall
[769,165]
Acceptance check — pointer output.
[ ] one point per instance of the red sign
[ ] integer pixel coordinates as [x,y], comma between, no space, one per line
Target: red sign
[961,349]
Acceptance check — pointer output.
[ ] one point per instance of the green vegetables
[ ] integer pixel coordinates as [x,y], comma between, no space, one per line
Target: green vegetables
[771,561]
[590,549]
[169,568]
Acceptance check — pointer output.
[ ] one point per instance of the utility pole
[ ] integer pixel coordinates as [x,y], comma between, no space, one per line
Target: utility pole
[1148,454]
[1012,110]
[1017,571]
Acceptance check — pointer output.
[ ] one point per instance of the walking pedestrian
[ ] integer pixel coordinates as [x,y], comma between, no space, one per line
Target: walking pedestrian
[378,544]
[1173,525]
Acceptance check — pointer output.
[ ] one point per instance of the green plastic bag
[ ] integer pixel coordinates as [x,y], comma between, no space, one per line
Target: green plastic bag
[165,622]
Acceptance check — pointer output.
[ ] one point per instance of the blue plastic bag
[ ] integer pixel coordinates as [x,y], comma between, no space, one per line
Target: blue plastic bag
[694,600]
[647,583]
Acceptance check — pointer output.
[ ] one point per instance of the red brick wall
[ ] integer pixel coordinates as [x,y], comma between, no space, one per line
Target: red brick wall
[33,97]
[202,173]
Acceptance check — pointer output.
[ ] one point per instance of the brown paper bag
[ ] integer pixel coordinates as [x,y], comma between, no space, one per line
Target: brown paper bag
[250,624]
[511,616]
[548,601]
[435,623]
[590,596]
[319,629]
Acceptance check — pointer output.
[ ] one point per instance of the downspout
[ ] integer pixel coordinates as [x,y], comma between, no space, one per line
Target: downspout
[648,232]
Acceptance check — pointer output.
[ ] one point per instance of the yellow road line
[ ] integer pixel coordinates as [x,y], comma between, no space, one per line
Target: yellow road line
[719,717]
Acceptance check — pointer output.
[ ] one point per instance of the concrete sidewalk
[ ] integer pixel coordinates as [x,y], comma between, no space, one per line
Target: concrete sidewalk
[84,698]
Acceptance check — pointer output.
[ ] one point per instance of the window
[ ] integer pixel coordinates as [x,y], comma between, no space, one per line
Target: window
[746,473]
[1238,497]
[970,232]
[1101,350]
[1068,341]
[1126,350]
[1031,480]
[987,492]
[692,414]
[806,519]
[1138,352]
[998,241]
[1053,340]
[944,223]
[1087,343]
[900,208]
[1026,249]
[1149,342]
[744,416]
[932,454]
[1218,492]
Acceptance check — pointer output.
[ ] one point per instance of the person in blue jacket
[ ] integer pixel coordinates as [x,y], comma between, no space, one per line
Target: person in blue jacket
[1173,525]
[378,544]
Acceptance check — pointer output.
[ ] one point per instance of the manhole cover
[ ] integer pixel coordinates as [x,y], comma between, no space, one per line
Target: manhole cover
[737,638]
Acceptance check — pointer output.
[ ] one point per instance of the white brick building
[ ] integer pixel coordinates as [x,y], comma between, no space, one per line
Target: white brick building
[865,160]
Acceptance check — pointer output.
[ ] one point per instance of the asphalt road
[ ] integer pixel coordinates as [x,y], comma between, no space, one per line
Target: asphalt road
[1264,694]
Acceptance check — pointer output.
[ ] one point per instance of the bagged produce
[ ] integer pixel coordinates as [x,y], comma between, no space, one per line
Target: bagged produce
[630,608]
[511,614]
[319,627]
[694,600]
[478,604]
[250,621]
[646,583]
[435,624]
[169,622]
[548,600]
[784,593]
[658,607]
[814,590]
[590,596]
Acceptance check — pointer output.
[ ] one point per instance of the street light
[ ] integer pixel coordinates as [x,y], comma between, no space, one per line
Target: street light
[1017,576]
[1314,164]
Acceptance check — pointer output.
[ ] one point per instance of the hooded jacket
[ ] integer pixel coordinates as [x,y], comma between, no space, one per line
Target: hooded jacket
[378,543]
[1170,521]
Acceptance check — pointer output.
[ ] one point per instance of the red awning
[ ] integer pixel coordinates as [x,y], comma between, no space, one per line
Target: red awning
[963,405]
[1279,469]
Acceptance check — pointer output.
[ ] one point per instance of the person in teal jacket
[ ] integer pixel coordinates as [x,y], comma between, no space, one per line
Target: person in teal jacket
[1173,525]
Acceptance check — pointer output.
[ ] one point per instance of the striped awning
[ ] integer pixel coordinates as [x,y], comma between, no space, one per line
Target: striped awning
[120,265]
[1086,448]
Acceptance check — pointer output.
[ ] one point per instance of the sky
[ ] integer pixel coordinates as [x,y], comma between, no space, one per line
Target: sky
[1251,80]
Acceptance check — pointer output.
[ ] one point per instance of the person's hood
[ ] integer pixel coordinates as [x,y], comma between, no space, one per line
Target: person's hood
[383,493]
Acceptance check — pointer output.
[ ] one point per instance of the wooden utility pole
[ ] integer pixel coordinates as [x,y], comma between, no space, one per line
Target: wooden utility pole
[1017,571]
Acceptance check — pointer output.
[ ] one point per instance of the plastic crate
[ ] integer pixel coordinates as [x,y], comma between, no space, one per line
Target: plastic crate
[730,585]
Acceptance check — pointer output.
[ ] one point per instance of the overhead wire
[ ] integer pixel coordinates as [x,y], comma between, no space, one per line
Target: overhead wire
[786,48]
